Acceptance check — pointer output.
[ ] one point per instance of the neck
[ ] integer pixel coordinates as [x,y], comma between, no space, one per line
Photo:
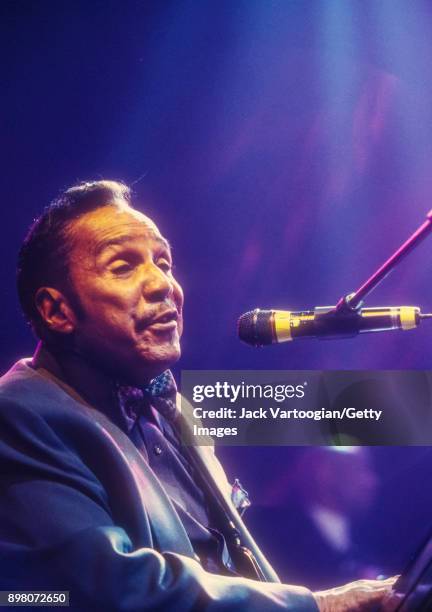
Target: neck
[91,382]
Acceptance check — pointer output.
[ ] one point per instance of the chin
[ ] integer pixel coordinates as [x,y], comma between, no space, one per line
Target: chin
[154,362]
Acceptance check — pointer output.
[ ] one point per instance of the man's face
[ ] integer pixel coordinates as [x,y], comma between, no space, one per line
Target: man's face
[121,270]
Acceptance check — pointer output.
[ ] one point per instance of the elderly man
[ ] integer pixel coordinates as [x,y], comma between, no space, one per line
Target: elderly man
[99,497]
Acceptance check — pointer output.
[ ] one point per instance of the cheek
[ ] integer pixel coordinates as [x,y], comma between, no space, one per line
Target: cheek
[119,297]
[107,312]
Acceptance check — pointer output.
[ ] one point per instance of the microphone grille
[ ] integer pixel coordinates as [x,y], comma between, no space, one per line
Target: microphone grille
[254,327]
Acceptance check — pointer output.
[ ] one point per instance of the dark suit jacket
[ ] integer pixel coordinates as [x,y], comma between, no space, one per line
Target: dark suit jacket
[81,511]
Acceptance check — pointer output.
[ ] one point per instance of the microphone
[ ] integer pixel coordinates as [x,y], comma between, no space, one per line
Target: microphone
[262,327]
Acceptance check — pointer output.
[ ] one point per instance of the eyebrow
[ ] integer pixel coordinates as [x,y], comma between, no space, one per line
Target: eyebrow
[121,240]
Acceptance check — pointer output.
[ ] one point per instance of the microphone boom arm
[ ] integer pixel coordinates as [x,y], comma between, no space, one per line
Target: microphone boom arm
[354,301]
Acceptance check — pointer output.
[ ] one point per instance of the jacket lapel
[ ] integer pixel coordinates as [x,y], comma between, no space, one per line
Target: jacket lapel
[214,475]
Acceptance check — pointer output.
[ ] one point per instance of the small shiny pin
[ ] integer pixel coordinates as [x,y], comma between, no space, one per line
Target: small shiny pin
[240,497]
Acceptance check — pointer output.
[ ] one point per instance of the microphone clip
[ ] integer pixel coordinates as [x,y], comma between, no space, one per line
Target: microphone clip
[347,304]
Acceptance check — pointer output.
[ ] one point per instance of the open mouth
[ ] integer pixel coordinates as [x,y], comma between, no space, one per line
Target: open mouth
[167,317]
[164,322]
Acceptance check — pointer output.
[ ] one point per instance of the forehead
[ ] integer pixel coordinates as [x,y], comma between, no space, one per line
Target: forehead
[113,225]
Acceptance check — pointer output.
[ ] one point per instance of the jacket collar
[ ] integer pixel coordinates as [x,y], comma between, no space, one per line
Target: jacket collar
[90,383]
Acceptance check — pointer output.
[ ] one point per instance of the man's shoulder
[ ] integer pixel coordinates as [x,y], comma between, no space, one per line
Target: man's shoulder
[24,389]
[21,379]
[19,382]
[21,370]
[35,408]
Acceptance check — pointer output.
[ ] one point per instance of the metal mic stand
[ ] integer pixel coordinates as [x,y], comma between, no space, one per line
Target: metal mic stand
[354,301]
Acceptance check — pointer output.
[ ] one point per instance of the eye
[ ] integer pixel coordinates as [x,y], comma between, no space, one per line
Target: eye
[121,267]
[164,264]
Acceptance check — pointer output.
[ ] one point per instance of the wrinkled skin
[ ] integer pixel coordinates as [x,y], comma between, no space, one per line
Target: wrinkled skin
[129,319]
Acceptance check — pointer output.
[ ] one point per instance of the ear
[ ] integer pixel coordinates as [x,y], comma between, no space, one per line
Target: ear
[55,310]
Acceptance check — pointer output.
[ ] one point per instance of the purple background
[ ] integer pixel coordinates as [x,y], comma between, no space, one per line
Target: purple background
[284,148]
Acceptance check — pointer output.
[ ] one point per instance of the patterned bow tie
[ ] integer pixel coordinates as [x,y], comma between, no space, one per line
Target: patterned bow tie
[160,393]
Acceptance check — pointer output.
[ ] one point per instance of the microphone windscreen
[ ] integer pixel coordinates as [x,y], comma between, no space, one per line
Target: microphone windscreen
[255,327]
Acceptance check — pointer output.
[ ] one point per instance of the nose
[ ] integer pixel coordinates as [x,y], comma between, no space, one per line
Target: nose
[156,284]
